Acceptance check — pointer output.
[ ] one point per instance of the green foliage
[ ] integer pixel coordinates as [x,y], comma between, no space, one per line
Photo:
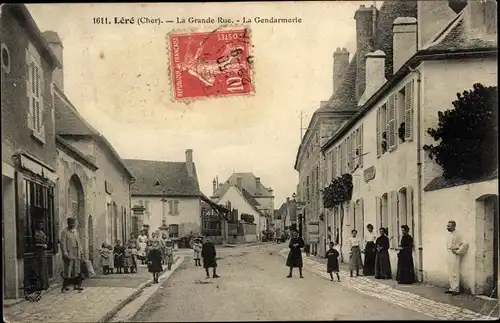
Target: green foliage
[248,218]
[467,135]
[338,191]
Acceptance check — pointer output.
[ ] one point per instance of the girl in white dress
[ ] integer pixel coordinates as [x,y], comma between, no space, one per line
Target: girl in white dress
[355,262]
[142,240]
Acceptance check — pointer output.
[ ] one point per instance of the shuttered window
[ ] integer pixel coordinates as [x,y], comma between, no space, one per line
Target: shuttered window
[378,133]
[360,146]
[391,123]
[410,220]
[34,87]
[393,218]
[334,167]
[409,111]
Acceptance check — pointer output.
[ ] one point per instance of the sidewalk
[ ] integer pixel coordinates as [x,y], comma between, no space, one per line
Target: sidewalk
[103,297]
[419,297]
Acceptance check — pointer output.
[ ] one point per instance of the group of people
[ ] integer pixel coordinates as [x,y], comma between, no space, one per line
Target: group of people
[376,250]
[122,257]
[377,262]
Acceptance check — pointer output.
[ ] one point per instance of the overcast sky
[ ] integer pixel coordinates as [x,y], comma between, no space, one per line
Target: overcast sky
[116,76]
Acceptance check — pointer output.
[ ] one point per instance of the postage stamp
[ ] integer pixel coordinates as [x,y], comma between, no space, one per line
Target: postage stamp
[210,64]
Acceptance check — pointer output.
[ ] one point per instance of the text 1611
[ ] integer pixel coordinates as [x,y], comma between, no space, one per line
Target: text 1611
[101,20]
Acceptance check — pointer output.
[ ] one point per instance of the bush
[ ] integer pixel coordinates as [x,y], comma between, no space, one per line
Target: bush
[338,191]
[467,135]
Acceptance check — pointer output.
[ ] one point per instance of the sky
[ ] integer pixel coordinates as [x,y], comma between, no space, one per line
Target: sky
[117,78]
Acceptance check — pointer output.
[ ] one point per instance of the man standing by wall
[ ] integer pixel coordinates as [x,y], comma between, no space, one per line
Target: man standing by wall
[72,251]
[456,247]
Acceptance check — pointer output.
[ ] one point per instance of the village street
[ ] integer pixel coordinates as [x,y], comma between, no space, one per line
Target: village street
[253,286]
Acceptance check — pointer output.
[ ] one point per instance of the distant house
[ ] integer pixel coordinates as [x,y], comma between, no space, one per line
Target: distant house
[254,190]
[170,194]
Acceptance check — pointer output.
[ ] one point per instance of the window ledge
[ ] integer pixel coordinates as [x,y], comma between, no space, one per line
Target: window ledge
[38,137]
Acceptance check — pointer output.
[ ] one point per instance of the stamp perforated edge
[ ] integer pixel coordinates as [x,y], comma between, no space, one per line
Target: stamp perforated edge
[209,29]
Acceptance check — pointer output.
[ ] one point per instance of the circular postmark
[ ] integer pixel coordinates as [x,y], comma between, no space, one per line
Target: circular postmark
[33,288]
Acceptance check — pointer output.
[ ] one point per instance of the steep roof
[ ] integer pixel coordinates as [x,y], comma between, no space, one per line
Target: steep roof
[249,198]
[249,183]
[344,98]
[162,178]
[70,123]
[281,211]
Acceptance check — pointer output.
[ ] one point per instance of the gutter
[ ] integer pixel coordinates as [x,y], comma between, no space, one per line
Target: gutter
[420,276]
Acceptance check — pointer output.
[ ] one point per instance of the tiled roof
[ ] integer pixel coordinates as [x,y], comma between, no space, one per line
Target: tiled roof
[458,39]
[344,98]
[68,120]
[249,183]
[249,198]
[439,183]
[383,40]
[162,178]
[61,142]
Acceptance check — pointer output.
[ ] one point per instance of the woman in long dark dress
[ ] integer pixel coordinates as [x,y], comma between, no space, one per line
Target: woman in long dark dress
[294,259]
[41,241]
[370,252]
[406,270]
[154,261]
[382,261]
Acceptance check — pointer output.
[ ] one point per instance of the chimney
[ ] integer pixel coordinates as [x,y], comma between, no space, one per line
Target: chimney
[375,74]
[189,162]
[480,19]
[257,183]
[365,22]
[270,190]
[55,44]
[340,65]
[239,182]
[404,41]
[288,200]
[214,186]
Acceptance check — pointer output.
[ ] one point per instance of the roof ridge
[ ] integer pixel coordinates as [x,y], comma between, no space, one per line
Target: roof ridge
[74,109]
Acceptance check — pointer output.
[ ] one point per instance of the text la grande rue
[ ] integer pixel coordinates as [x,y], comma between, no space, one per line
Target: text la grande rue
[211,20]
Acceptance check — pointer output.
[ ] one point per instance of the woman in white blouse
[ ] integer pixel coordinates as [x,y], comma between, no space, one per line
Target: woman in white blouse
[370,251]
[355,262]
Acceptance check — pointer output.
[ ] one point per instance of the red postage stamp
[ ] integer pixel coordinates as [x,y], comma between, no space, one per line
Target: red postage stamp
[210,64]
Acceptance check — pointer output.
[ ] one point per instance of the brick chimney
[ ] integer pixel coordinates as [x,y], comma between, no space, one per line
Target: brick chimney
[480,19]
[257,183]
[239,182]
[189,162]
[270,190]
[375,74]
[432,18]
[214,186]
[340,65]
[365,30]
[404,41]
[56,45]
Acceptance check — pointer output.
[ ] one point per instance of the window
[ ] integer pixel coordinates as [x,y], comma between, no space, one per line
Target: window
[384,211]
[400,107]
[359,145]
[173,231]
[147,209]
[34,87]
[173,207]
[392,127]
[5,58]
[381,130]
[317,181]
[334,163]
[39,203]
[402,211]
[116,227]
[359,219]
[307,189]
[342,158]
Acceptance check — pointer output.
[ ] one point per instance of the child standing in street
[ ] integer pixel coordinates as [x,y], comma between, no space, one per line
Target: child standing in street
[154,261]
[332,265]
[134,258]
[197,252]
[106,258]
[118,256]
[127,259]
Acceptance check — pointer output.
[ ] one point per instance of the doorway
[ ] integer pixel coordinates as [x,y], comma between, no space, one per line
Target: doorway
[77,209]
[488,246]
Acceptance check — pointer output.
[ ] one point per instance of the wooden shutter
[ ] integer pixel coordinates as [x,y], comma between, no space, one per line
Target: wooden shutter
[409,209]
[21,214]
[378,133]
[334,166]
[360,145]
[146,207]
[37,102]
[29,88]
[170,207]
[409,111]
[347,214]
[393,218]
[361,219]
[176,207]
[391,122]
[378,213]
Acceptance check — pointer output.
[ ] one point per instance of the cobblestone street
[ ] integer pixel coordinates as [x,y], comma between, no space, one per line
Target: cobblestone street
[253,286]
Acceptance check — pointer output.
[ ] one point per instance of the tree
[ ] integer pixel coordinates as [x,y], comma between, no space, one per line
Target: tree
[337,193]
[467,135]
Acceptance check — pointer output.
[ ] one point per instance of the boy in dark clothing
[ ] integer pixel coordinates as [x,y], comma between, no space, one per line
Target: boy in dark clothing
[332,265]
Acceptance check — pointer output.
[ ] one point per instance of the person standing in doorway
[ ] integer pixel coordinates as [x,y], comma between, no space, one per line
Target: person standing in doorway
[294,259]
[370,251]
[382,260]
[209,255]
[456,247]
[41,241]
[72,251]
[405,273]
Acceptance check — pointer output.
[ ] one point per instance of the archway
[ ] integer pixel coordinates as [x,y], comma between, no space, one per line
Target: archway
[76,205]
[487,245]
